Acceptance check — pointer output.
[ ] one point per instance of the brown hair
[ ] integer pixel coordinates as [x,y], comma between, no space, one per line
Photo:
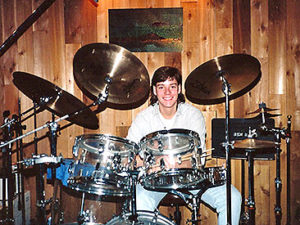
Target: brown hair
[161,75]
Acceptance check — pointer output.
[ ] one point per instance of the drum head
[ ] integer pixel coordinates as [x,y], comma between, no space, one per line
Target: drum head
[174,141]
[188,179]
[143,217]
[98,143]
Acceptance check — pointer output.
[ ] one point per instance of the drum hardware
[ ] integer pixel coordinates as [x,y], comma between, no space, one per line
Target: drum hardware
[41,159]
[7,198]
[102,163]
[178,166]
[143,217]
[279,133]
[234,74]
[250,145]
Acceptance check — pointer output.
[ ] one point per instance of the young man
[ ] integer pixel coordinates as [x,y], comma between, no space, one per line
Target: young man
[168,110]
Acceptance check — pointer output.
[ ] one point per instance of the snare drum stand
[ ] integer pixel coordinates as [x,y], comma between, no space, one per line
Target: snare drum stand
[133,182]
[192,202]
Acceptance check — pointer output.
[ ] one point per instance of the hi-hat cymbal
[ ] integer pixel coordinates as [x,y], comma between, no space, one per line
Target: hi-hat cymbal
[266,115]
[204,86]
[260,110]
[251,143]
[130,81]
[56,100]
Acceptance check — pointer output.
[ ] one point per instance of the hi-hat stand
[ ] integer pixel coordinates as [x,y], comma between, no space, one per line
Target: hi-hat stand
[279,133]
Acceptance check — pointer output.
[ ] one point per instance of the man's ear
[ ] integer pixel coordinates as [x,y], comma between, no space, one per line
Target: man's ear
[154,90]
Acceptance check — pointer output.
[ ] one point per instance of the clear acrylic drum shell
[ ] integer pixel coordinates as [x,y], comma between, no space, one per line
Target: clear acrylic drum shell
[101,164]
[178,150]
[143,217]
[216,175]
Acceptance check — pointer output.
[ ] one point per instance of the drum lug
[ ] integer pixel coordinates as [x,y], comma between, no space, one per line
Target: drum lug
[116,164]
[193,161]
[162,164]
[179,159]
[76,147]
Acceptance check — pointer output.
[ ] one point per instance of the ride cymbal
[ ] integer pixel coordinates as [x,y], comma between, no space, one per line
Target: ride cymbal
[204,86]
[251,143]
[93,63]
[54,99]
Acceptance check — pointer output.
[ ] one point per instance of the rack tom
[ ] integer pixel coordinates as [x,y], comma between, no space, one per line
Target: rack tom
[171,160]
[102,164]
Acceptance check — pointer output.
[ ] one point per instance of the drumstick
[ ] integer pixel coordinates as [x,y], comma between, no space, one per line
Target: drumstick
[203,154]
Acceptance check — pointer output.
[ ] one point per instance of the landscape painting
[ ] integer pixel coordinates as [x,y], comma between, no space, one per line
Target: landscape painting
[147,30]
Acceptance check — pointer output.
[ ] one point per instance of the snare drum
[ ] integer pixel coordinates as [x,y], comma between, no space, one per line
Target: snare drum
[101,165]
[171,160]
[143,217]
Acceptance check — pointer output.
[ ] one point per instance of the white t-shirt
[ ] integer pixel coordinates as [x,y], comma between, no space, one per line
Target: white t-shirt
[148,121]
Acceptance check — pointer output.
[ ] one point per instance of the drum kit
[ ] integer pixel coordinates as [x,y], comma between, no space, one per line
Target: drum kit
[105,165]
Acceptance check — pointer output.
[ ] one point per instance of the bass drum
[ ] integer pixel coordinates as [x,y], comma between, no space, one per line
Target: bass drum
[171,160]
[101,165]
[143,217]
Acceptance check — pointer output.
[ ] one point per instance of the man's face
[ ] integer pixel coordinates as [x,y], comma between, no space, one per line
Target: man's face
[167,93]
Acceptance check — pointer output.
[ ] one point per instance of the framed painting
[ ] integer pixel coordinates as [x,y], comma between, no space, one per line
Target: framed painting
[147,30]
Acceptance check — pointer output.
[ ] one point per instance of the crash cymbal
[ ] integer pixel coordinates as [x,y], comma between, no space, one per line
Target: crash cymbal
[251,143]
[54,99]
[204,86]
[130,81]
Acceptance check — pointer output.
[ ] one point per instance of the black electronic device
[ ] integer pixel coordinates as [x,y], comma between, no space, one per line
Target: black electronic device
[239,130]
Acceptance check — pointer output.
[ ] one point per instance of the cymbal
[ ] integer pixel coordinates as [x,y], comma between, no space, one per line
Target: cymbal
[130,81]
[266,115]
[251,143]
[260,110]
[204,86]
[55,99]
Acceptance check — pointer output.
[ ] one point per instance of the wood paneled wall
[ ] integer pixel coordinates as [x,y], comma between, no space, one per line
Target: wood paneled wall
[269,30]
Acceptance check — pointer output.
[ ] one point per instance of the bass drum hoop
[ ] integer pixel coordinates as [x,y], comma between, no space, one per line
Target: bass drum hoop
[192,137]
[153,181]
[146,217]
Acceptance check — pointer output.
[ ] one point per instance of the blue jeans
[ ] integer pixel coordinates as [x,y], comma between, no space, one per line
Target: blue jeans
[214,196]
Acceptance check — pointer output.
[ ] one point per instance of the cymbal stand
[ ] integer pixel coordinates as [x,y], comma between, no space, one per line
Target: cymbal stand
[7,172]
[40,186]
[21,190]
[227,144]
[251,201]
[102,98]
[288,175]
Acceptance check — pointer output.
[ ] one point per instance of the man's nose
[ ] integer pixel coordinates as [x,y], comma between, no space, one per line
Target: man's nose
[167,91]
